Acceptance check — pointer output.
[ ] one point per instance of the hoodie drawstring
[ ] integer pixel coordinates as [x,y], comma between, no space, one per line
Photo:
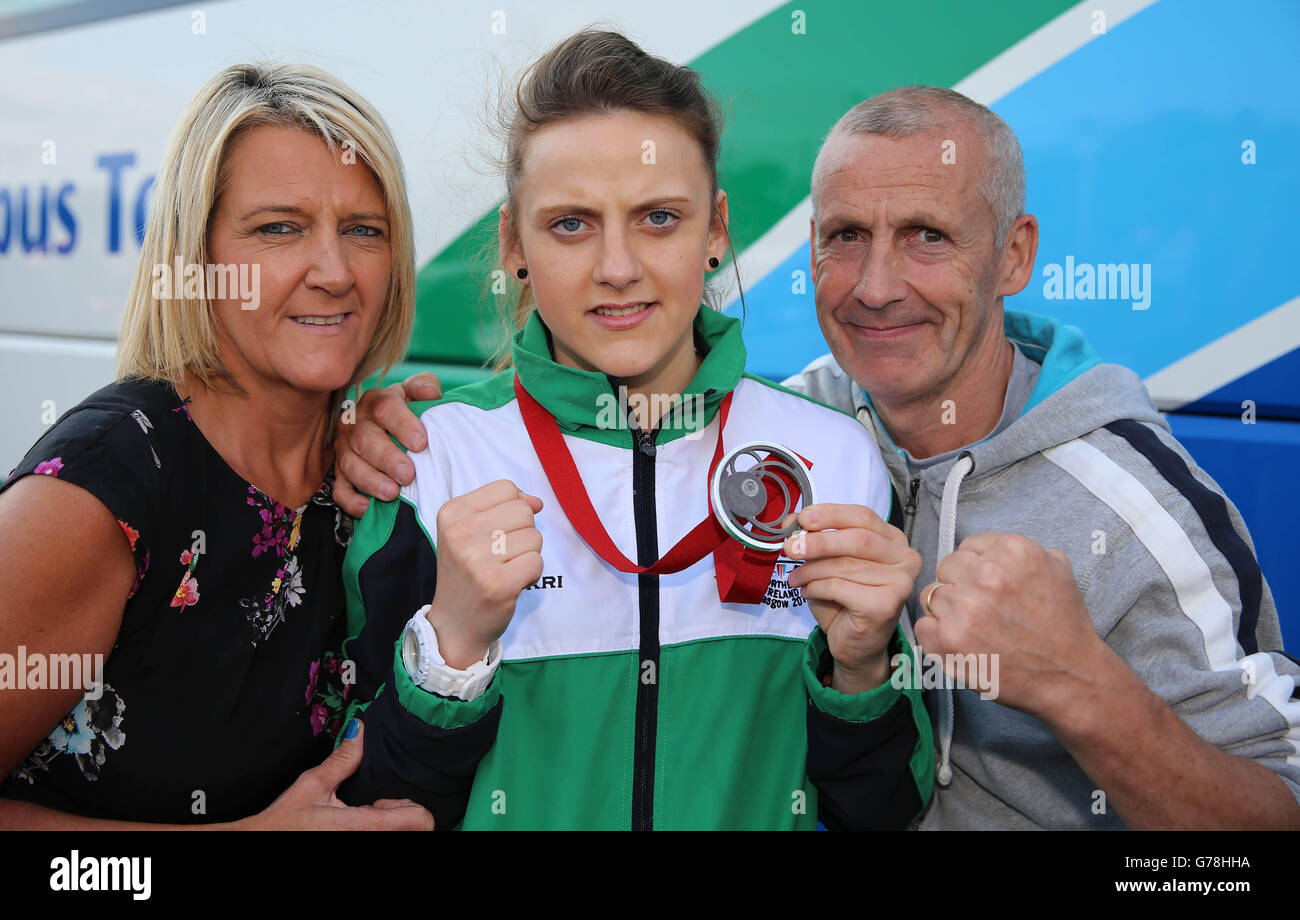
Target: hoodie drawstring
[947,539]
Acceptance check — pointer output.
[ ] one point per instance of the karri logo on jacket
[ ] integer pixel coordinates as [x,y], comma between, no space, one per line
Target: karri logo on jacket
[547,581]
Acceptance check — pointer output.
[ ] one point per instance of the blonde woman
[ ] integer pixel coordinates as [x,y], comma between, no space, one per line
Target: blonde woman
[178,525]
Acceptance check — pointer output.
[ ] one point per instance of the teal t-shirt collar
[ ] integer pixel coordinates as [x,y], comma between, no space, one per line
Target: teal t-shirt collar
[1061,349]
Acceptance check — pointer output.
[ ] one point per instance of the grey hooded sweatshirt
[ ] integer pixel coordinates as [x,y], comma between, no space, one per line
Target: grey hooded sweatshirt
[1162,558]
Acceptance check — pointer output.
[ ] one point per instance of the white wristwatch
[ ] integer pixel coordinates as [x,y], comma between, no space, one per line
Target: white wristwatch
[430,672]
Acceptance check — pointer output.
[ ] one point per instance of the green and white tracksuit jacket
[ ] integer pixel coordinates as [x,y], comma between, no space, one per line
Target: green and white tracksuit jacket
[625,700]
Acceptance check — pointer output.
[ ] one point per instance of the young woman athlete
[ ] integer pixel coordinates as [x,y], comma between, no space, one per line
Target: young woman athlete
[545,638]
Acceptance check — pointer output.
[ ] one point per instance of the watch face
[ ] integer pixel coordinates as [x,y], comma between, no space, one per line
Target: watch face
[411,652]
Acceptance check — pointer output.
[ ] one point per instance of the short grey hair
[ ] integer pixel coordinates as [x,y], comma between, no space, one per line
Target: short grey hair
[913,110]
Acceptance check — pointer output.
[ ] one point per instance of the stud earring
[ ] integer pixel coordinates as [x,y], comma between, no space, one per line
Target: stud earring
[522,273]
[713,263]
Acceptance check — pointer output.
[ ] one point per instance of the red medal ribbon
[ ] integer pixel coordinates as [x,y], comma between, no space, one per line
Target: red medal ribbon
[743,573]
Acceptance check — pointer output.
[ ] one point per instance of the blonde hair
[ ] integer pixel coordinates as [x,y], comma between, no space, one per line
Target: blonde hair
[166,339]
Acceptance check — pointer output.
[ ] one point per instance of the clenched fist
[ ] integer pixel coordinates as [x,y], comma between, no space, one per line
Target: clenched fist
[1006,595]
[488,552]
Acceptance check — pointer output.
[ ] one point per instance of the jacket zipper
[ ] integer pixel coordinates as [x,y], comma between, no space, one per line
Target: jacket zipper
[647,687]
[909,511]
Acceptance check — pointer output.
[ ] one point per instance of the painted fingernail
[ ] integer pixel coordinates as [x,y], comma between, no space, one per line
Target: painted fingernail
[351,731]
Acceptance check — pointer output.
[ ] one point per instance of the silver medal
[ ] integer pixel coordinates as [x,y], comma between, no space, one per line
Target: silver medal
[739,493]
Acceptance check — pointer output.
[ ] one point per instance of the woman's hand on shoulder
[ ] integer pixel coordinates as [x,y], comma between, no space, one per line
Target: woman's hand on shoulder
[312,802]
[66,572]
[367,462]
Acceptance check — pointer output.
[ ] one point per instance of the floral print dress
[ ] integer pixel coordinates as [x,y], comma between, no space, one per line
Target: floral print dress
[224,683]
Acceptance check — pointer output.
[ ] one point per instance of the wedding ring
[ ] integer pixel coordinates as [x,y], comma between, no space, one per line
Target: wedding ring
[927,595]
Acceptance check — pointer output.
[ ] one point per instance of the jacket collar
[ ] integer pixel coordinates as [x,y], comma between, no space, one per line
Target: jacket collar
[586,403]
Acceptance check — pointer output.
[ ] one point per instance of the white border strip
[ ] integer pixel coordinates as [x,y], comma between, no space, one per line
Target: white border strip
[1044,47]
[1222,361]
[15,342]
[762,257]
